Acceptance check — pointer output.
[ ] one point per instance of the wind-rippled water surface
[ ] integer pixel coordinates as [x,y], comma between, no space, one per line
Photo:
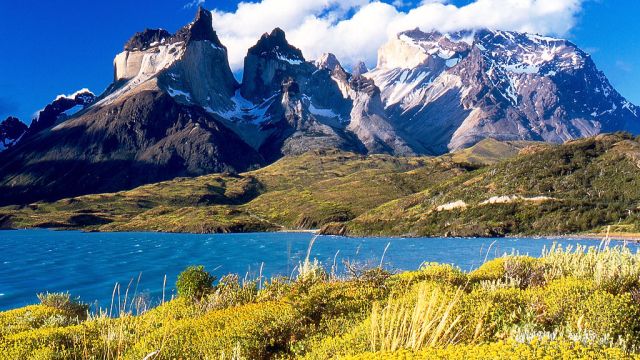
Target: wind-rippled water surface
[89,265]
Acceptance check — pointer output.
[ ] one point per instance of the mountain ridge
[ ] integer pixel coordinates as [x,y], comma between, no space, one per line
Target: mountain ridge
[431,93]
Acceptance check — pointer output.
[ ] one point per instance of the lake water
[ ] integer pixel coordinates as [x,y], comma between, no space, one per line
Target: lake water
[90,264]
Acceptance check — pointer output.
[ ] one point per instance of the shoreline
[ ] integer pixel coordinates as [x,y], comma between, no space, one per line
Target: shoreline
[630,237]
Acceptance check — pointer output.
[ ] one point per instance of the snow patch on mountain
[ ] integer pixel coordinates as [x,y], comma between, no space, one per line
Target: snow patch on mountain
[137,67]
[245,110]
[328,113]
[179,94]
[289,60]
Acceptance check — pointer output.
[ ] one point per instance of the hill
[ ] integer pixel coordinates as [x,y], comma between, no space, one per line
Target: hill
[491,189]
[563,189]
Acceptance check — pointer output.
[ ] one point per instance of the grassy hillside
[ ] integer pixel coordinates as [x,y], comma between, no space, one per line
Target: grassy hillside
[298,192]
[580,186]
[492,189]
[569,304]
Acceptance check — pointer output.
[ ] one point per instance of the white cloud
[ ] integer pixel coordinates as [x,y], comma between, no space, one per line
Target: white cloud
[194,3]
[355,29]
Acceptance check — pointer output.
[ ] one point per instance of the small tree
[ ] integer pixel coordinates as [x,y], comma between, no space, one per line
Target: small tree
[64,302]
[194,282]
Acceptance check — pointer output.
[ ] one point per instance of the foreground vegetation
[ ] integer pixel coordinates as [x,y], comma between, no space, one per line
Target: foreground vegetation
[570,304]
[492,189]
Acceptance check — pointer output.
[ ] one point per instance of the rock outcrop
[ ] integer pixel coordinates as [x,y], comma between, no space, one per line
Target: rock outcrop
[11,131]
[56,111]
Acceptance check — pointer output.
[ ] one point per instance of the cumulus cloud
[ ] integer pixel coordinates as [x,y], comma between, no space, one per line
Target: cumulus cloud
[355,29]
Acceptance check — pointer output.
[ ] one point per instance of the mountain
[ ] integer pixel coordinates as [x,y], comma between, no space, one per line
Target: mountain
[303,108]
[150,125]
[175,109]
[449,91]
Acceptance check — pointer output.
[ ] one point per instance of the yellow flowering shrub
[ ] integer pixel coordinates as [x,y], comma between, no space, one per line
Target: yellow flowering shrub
[443,273]
[513,307]
[27,318]
[504,350]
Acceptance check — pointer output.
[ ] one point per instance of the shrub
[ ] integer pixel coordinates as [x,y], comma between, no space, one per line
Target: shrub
[252,331]
[194,282]
[610,319]
[489,271]
[614,269]
[510,271]
[441,273]
[26,318]
[229,292]
[555,303]
[503,350]
[64,303]
[275,289]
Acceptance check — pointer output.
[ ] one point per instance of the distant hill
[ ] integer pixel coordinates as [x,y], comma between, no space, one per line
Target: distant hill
[550,190]
[491,189]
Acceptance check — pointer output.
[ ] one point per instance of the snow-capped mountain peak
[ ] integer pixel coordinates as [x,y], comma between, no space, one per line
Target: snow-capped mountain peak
[454,89]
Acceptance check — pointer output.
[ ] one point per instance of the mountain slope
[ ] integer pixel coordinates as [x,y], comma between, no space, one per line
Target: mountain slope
[305,191]
[579,186]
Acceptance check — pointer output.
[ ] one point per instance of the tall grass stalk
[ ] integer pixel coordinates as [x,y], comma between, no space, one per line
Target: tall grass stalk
[310,270]
[608,266]
[427,323]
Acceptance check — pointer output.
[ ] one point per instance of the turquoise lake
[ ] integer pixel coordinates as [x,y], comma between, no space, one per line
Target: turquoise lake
[89,265]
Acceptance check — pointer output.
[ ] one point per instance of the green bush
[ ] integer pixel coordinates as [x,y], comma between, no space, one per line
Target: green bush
[194,282]
[230,292]
[63,302]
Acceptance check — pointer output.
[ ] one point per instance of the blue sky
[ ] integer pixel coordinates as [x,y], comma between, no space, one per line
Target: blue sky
[56,47]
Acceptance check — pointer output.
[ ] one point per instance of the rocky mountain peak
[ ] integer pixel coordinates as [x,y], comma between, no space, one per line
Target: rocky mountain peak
[11,130]
[328,61]
[147,38]
[55,111]
[362,84]
[201,29]
[359,69]
[268,63]
[274,45]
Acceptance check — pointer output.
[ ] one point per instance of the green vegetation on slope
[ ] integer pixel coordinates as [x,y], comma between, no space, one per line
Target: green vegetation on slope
[493,189]
[294,193]
[580,186]
[570,303]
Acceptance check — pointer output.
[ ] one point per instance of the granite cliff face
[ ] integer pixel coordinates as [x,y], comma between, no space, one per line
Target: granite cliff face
[175,108]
